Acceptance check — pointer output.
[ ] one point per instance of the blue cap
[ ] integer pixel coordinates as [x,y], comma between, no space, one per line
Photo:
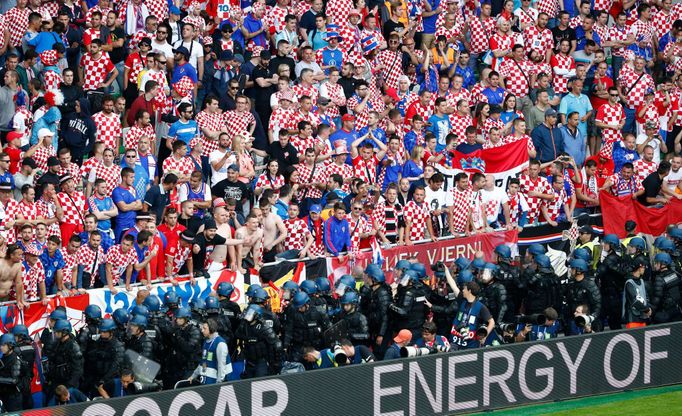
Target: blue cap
[174,10]
[226,56]
[316,208]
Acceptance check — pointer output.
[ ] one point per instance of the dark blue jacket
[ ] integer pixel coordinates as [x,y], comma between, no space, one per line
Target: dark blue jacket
[548,142]
[336,235]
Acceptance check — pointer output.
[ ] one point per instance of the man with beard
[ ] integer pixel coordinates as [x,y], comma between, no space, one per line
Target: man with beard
[232,187]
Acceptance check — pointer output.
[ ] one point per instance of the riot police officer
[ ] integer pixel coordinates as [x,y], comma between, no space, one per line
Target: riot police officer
[356,322]
[121,318]
[156,320]
[408,309]
[105,360]
[171,301]
[10,375]
[611,278]
[66,361]
[138,340]
[494,294]
[89,333]
[585,254]
[47,338]
[582,291]
[261,347]
[636,307]
[230,309]
[260,297]
[184,343]
[224,326]
[310,287]
[637,255]
[543,287]
[508,275]
[666,297]
[324,293]
[377,315]
[27,352]
[198,308]
[305,326]
[443,298]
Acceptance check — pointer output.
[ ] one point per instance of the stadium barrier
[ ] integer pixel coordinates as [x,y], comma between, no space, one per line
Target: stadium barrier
[438,384]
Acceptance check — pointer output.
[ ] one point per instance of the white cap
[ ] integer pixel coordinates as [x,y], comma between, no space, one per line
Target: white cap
[42,133]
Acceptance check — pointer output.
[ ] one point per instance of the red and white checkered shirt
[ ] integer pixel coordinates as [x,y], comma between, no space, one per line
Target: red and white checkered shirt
[17,24]
[338,10]
[183,165]
[280,118]
[119,262]
[297,234]
[73,207]
[365,169]
[536,40]
[111,175]
[551,7]
[89,165]
[357,227]
[603,32]
[610,114]
[344,170]
[158,8]
[51,79]
[179,256]
[675,50]
[604,5]
[135,63]
[307,176]
[300,90]
[500,41]
[517,75]
[393,67]
[136,133]
[237,122]
[301,144]
[298,116]
[527,17]
[562,62]
[213,122]
[9,212]
[418,109]
[622,187]
[644,168]
[41,155]
[29,211]
[108,129]
[361,118]
[97,8]
[489,124]
[481,32]
[512,138]
[276,183]
[554,207]
[87,257]
[618,34]
[32,277]
[417,215]
[459,125]
[275,17]
[351,40]
[540,184]
[47,210]
[162,102]
[70,261]
[95,71]
[337,97]
[461,204]
[630,81]
[643,31]
[575,22]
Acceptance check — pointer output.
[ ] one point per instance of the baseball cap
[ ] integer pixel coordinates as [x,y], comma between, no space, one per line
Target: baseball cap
[550,113]
[323,101]
[348,117]
[44,132]
[210,225]
[187,236]
[586,229]
[28,161]
[315,208]
[52,161]
[233,167]
[403,336]
[14,135]
[183,51]
[146,41]
[219,202]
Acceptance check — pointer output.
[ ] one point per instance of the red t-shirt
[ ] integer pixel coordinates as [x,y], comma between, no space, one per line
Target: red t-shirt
[14,159]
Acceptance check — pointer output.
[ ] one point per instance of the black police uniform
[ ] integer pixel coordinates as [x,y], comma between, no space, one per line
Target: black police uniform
[611,277]
[10,380]
[66,365]
[409,310]
[231,311]
[304,329]
[143,345]
[509,276]
[106,361]
[262,349]
[542,291]
[357,327]
[583,292]
[182,357]
[27,352]
[666,297]
[494,296]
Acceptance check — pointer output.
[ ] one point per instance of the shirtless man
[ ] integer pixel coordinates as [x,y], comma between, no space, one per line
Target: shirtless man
[10,275]
[221,252]
[252,236]
[274,231]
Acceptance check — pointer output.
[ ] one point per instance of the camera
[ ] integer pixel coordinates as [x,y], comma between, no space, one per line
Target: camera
[407,352]
[581,321]
[438,267]
[507,327]
[340,356]
[482,332]
[535,319]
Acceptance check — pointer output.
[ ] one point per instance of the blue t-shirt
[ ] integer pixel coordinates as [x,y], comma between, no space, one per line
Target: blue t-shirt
[184,131]
[495,96]
[104,204]
[430,22]
[348,136]
[440,127]
[411,170]
[124,219]
[51,265]
[378,133]
[185,70]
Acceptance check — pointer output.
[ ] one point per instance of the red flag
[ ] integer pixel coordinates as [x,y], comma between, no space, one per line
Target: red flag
[649,220]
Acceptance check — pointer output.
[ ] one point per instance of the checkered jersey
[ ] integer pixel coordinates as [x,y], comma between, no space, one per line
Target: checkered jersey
[338,10]
[298,116]
[562,62]
[604,5]
[623,187]
[95,70]
[308,176]
[32,277]
[346,171]
[618,34]
[338,99]
[136,133]
[88,165]
[51,80]
[575,22]
[651,113]
[162,102]
[87,257]
[644,168]
[210,121]
[70,261]
[526,17]
[454,96]
[275,17]
[29,211]
[108,129]
[551,7]
[630,81]
[500,41]
[537,40]
[16,21]
[675,52]
[554,207]
[183,165]
[158,8]
[111,175]
[297,234]
[119,261]
[365,169]
[41,155]
[417,108]
[179,256]
[517,75]
[489,124]
[512,138]
[643,31]
[135,63]
[357,227]
[73,206]
[301,90]
[393,67]
[301,144]
[137,37]
[610,114]
[276,183]
[237,122]
[47,210]
[461,209]
[540,184]
[459,125]
[481,31]
[280,118]
[9,211]
[361,119]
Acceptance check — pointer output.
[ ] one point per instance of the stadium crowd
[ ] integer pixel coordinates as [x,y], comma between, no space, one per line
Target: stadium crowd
[149,139]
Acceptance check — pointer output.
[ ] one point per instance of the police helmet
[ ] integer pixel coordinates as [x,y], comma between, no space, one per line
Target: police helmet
[198,305]
[107,325]
[309,287]
[140,310]
[579,265]
[490,266]
[20,330]
[412,275]
[663,258]
[543,261]
[8,339]
[348,281]
[419,269]
[536,249]
[402,265]
[290,285]
[462,263]
[253,312]
[583,254]
[503,251]
[638,243]
[350,298]
[58,314]
[667,245]
[611,239]
[62,325]
[120,316]
[171,299]
[658,240]
[260,295]
[478,264]
[323,285]
[152,303]
[183,313]
[251,290]
[139,320]
[375,273]
[675,233]
[93,312]
[212,303]
[465,276]
[225,289]
[300,299]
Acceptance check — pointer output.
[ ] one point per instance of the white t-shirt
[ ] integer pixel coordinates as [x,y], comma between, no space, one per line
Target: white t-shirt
[219,175]
[655,143]
[164,48]
[673,179]
[492,201]
[196,52]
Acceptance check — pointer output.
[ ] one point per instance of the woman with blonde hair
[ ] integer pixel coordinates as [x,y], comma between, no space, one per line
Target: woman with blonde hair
[244,160]
[413,169]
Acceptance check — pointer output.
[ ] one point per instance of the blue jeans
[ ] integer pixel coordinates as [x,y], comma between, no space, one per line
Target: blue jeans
[288,255]
[118,85]
[630,126]
[473,61]
[617,64]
